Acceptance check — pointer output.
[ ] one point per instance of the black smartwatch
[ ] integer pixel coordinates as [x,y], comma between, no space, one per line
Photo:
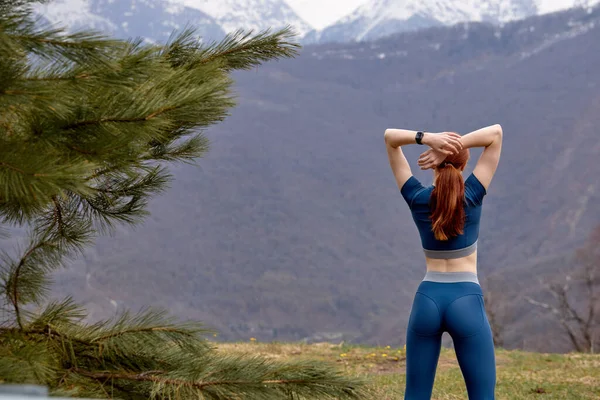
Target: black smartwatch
[419,137]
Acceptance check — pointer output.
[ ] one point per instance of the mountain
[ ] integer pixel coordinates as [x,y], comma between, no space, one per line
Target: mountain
[378,18]
[151,19]
[250,14]
[292,228]
[156,19]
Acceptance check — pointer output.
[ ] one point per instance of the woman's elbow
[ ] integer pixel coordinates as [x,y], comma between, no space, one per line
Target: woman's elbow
[498,130]
[386,136]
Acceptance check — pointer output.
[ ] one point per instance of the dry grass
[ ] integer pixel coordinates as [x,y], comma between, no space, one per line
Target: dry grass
[520,375]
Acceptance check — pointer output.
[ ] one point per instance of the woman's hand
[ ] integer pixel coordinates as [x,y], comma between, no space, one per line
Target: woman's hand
[445,142]
[431,158]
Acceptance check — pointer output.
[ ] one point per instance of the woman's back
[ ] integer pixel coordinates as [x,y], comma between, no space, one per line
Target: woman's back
[455,253]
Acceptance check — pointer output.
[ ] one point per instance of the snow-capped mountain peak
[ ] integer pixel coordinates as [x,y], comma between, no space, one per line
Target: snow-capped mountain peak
[377,18]
[153,20]
[249,14]
[550,6]
[74,14]
[371,19]
[156,19]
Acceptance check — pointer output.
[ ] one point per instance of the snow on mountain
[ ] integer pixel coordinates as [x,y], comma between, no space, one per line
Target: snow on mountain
[74,14]
[550,6]
[378,18]
[249,14]
[154,20]
[322,13]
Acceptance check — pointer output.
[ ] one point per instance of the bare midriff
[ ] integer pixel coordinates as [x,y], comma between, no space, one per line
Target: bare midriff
[468,263]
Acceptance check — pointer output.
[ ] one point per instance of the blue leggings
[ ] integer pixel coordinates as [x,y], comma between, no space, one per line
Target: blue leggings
[456,308]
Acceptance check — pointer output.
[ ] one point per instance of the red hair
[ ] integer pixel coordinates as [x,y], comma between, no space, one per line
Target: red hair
[447,197]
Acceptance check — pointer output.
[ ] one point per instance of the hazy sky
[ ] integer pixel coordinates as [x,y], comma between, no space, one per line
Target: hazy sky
[321,13]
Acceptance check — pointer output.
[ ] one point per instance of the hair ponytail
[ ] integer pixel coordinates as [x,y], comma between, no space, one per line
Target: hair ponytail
[447,201]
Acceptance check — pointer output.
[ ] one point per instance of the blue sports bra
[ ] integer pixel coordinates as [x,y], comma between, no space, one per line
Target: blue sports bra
[417,197]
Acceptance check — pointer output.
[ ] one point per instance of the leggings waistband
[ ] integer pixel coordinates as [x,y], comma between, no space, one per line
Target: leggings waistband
[449,277]
[447,254]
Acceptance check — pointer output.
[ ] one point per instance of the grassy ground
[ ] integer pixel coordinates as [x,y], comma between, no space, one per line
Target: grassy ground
[520,375]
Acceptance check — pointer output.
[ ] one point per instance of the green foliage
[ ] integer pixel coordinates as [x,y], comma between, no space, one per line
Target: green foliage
[87,126]
[151,356]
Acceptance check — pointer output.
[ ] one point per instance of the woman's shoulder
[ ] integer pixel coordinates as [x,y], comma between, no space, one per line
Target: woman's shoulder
[474,190]
[423,195]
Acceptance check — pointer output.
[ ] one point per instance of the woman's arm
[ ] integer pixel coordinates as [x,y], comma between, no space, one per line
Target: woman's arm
[399,165]
[483,137]
[489,137]
[446,142]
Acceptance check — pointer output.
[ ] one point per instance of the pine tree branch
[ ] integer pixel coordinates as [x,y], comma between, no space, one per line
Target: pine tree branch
[124,120]
[139,330]
[225,53]
[102,172]
[75,42]
[124,213]
[48,331]
[44,253]
[53,42]
[20,92]
[78,150]
[185,151]
[123,196]
[21,171]
[240,51]
[140,187]
[103,120]
[151,377]
[160,112]
[56,78]
[58,217]
[13,296]
[17,169]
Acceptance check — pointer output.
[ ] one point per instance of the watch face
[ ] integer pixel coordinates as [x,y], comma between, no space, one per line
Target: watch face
[419,137]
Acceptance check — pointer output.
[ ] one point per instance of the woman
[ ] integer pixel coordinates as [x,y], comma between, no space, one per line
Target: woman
[449,298]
